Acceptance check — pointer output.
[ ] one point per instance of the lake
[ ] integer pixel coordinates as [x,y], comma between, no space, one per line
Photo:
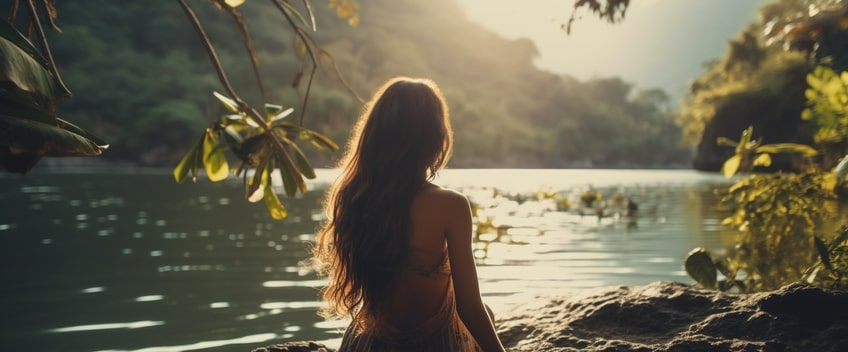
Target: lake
[128,260]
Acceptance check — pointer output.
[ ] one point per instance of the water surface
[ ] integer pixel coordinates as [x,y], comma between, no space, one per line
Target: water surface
[130,261]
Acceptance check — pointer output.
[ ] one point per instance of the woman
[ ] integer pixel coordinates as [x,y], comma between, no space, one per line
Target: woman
[397,248]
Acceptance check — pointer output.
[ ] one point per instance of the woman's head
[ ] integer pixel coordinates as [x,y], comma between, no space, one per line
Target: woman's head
[404,129]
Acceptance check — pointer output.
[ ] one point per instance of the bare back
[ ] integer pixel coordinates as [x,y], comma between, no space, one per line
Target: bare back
[423,284]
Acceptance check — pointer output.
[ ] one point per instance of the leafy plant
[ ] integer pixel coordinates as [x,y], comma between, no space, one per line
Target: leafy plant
[262,144]
[29,88]
[827,104]
[831,271]
[262,147]
[751,152]
[777,216]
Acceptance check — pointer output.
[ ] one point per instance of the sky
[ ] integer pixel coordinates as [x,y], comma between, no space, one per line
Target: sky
[660,44]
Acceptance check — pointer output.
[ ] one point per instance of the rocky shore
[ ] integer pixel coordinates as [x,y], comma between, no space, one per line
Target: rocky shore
[669,316]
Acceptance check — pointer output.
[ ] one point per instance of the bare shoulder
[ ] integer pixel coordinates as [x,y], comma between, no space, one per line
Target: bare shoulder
[443,197]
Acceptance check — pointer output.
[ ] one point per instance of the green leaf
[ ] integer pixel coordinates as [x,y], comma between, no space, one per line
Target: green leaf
[731,165]
[321,141]
[26,73]
[228,103]
[289,179]
[11,34]
[214,159]
[189,164]
[823,252]
[272,202]
[699,265]
[62,139]
[301,161]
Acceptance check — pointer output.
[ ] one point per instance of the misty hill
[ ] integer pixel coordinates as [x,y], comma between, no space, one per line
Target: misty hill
[142,81]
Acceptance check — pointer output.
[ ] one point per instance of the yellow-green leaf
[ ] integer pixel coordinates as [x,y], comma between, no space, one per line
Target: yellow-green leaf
[762,159]
[189,164]
[214,159]
[844,77]
[806,150]
[234,3]
[725,142]
[810,94]
[272,202]
[731,165]
[807,114]
[321,141]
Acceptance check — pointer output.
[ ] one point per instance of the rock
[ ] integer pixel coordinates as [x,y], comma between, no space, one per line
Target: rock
[669,316]
[297,346]
[666,316]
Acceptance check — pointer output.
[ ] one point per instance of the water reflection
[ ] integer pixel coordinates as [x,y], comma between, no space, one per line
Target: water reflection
[110,326]
[250,339]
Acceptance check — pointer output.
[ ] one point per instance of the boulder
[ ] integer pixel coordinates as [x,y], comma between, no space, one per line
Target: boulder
[297,346]
[669,316]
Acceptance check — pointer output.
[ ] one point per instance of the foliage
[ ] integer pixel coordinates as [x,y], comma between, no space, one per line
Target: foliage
[831,271]
[262,148]
[610,10]
[827,108]
[29,88]
[750,153]
[752,84]
[127,71]
[777,216]
[817,27]
[261,144]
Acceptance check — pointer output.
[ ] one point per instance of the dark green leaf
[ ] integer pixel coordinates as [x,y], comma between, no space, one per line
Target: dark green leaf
[27,74]
[699,265]
[47,140]
[823,252]
[303,164]
[9,33]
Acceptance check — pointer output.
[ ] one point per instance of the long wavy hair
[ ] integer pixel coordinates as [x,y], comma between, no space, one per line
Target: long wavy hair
[402,138]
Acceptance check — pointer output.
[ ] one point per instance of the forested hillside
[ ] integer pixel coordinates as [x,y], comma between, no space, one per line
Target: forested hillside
[142,81]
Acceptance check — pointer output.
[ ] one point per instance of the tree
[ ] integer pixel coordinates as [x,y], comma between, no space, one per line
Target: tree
[262,141]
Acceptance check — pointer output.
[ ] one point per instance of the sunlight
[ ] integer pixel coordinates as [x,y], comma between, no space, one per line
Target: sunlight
[661,43]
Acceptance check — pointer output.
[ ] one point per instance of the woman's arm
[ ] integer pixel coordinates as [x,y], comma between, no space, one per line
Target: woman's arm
[469,304]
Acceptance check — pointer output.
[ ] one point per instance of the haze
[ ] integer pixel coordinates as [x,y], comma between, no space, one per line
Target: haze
[660,43]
